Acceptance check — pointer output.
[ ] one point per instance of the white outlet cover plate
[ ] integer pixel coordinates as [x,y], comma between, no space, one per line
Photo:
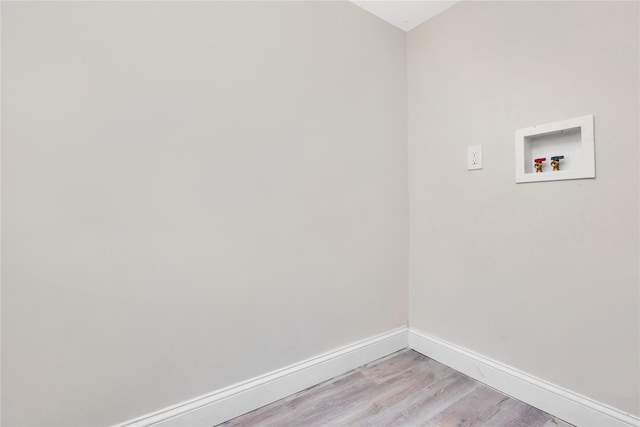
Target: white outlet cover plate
[474,157]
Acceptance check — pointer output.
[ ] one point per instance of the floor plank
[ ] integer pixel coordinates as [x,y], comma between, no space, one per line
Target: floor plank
[402,389]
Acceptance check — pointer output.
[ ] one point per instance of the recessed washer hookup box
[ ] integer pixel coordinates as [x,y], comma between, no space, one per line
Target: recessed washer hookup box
[569,144]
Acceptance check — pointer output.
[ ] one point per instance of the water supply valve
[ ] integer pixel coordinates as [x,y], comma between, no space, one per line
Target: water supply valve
[555,162]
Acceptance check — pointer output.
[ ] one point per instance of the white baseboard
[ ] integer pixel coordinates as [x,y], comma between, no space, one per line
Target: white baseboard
[562,403]
[230,402]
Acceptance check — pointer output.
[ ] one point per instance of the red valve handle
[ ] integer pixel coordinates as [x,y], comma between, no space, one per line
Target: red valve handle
[540,160]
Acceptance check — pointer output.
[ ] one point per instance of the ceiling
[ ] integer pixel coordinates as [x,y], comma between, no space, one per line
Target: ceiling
[405,14]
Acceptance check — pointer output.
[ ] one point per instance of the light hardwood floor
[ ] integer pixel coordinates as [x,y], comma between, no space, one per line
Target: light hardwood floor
[405,388]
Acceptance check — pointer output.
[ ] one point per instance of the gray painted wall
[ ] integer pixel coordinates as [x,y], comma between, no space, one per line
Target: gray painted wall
[193,194]
[542,276]
[197,193]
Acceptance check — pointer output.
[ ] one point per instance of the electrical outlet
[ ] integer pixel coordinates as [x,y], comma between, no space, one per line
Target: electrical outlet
[474,157]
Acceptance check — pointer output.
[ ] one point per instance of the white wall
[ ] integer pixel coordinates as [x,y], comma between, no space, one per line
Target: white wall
[193,194]
[542,276]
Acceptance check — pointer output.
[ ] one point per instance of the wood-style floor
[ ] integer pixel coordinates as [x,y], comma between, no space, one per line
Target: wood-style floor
[405,388]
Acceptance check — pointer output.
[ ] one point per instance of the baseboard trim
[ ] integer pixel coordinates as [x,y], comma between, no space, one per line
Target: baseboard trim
[562,403]
[230,402]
